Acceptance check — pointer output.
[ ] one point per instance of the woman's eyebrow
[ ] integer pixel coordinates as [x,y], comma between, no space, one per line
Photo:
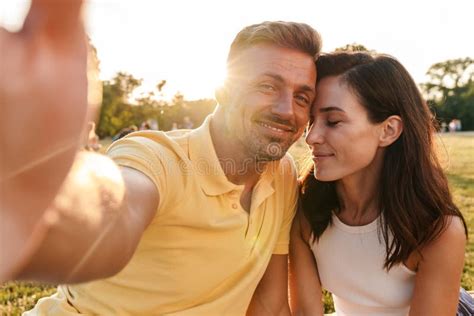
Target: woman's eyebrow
[330,108]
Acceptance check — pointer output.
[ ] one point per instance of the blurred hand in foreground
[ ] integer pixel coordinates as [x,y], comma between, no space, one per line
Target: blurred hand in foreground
[43,106]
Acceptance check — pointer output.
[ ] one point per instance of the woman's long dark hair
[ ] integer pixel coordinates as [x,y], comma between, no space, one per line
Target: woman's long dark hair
[413,192]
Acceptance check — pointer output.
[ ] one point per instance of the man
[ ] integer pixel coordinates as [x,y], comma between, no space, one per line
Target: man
[191,223]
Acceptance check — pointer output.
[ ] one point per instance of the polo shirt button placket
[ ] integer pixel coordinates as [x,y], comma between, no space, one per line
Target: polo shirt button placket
[251,228]
[235,206]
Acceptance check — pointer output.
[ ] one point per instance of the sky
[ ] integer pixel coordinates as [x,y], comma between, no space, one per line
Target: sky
[186,42]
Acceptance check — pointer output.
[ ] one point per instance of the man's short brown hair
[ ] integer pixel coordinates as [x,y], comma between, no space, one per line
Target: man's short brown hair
[299,36]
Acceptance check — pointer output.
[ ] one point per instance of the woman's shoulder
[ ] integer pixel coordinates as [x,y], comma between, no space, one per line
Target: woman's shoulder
[440,269]
[452,238]
[453,230]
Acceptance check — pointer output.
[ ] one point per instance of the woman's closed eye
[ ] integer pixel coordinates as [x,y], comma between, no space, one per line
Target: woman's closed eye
[332,123]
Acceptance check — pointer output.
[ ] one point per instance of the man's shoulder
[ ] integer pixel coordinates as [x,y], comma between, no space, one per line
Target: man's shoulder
[178,134]
[168,138]
[157,143]
[285,175]
[287,167]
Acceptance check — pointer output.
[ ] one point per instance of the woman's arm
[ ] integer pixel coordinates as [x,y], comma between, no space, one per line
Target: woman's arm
[439,272]
[305,287]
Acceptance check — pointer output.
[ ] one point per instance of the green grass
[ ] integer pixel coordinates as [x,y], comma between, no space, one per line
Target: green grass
[17,297]
[457,155]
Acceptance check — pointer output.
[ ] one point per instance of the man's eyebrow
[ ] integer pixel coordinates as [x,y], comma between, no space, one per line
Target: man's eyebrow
[280,79]
[274,76]
[330,109]
[308,88]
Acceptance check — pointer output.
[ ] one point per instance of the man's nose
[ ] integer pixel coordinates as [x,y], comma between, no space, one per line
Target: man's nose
[283,106]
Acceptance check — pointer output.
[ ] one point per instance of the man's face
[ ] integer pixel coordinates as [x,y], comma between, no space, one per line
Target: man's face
[270,92]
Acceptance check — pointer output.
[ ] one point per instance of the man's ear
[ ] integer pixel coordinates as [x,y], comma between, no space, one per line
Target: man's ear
[222,95]
[392,128]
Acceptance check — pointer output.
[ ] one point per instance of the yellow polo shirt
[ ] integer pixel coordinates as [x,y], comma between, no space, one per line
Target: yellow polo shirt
[202,254]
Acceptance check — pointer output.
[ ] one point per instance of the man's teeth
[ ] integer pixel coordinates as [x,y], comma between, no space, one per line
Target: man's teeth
[272,128]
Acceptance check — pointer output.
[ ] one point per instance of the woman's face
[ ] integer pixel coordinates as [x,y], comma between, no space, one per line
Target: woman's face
[342,139]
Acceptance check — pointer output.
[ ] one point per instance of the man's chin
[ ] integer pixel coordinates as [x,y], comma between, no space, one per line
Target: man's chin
[264,149]
[268,158]
[272,152]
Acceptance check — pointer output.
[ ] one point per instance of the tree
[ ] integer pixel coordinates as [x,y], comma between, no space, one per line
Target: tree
[450,90]
[197,110]
[116,112]
[354,47]
[160,85]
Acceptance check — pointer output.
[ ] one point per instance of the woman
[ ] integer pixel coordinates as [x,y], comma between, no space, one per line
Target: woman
[377,227]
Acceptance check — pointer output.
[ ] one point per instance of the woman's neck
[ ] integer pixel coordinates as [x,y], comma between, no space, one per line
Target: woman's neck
[358,194]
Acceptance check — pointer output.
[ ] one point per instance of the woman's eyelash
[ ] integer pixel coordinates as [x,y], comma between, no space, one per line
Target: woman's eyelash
[332,123]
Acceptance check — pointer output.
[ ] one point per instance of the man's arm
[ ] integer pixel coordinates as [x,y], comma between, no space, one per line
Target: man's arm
[305,286]
[95,222]
[271,295]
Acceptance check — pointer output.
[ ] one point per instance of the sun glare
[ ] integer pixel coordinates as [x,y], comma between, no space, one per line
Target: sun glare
[155,40]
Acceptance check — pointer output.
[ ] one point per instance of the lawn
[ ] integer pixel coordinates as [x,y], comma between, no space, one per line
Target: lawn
[457,155]
[458,159]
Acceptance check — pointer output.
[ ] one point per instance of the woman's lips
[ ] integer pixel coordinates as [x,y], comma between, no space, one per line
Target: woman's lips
[321,156]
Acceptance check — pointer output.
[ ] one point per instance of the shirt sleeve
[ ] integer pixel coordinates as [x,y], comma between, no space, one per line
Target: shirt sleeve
[146,156]
[289,189]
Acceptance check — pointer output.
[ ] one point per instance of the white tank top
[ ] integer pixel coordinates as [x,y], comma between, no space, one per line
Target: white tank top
[350,263]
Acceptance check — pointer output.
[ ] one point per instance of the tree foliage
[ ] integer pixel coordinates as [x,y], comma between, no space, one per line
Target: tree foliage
[450,90]
[120,111]
[116,111]
[354,47]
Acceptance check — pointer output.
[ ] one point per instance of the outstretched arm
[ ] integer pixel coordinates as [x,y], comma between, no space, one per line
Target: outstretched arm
[95,222]
[66,216]
[43,105]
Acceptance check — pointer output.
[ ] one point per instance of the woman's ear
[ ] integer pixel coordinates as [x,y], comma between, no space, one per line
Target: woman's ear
[392,128]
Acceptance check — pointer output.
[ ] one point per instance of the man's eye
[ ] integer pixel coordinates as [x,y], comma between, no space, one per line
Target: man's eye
[302,100]
[267,87]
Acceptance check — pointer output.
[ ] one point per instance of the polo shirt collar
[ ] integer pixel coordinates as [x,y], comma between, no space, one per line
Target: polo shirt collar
[208,168]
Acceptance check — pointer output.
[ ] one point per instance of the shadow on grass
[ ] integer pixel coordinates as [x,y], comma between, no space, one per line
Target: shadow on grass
[460,181]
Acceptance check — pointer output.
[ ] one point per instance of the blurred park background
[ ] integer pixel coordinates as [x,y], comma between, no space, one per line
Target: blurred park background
[450,93]
[184,55]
